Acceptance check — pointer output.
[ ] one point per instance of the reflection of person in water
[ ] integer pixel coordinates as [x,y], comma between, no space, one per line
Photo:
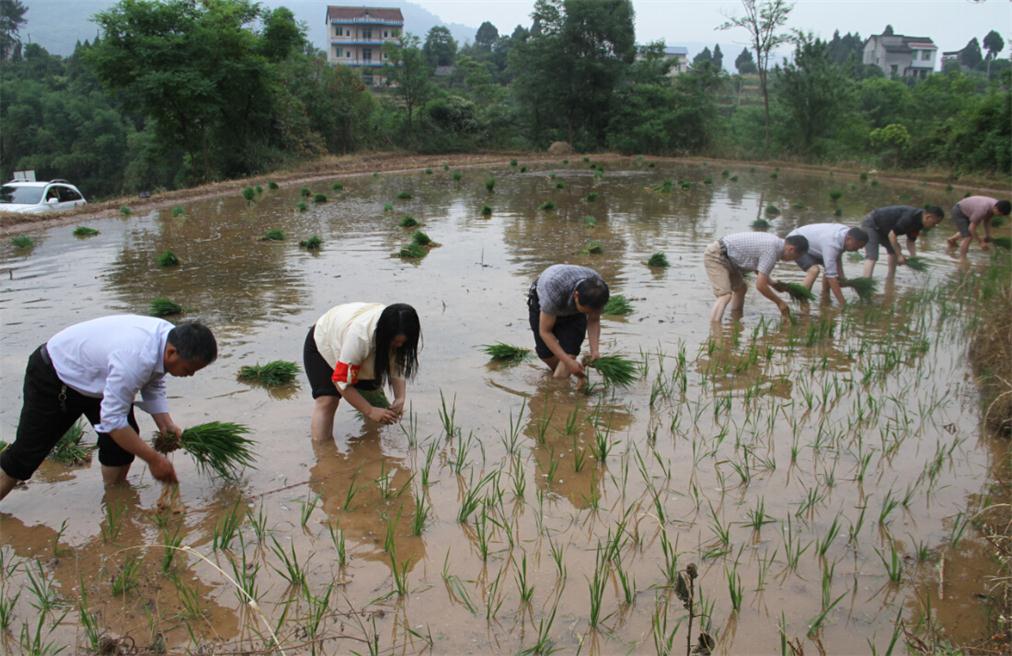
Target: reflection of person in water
[97,368]
[361,490]
[360,345]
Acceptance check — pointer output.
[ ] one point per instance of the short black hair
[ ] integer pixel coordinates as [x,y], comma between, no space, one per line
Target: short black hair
[858,234]
[194,342]
[936,210]
[1003,206]
[800,243]
[594,292]
[397,319]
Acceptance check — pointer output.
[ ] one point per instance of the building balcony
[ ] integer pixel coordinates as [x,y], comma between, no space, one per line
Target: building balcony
[368,20]
[352,41]
[360,63]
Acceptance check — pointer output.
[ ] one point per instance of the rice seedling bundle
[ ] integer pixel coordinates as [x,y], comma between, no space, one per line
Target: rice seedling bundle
[917,263]
[725,173]
[838,212]
[125,211]
[772,210]
[506,353]
[658,260]
[707,180]
[686,184]
[421,238]
[486,210]
[457,175]
[560,185]
[593,248]
[616,370]
[798,292]
[69,450]
[311,244]
[302,207]
[412,251]
[734,178]
[272,374]
[589,221]
[490,185]
[249,194]
[618,305]
[547,206]
[798,206]
[428,171]
[864,176]
[84,231]
[377,398]
[337,186]
[998,221]
[523,169]
[1002,242]
[760,224]
[272,185]
[163,307]
[446,167]
[305,192]
[274,234]
[217,447]
[513,162]
[320,198]
[178,211]
[774,175]
[835,195]
[865,287]
[22,241]
[591,197]
[404,195]
[167,259]
[408,222]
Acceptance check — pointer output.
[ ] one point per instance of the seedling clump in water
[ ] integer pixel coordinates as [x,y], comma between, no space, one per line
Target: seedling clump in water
[760,224]
[69,450]
[618,305]
[167,259]
[163,307]
[413,251]
[486,210]
[320,198]
[408,222]
[421,238]
[311,244]
[274,234]
[547,206]
[772,210]
[22,241]
[658,260]
[506,353]
[272,374]
[593,247]
[84,231]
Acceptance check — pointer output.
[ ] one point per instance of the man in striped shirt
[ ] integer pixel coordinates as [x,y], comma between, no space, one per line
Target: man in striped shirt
[827,243]
[727,259]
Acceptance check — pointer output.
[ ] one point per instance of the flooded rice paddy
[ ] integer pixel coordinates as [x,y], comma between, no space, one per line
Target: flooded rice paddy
[816,474]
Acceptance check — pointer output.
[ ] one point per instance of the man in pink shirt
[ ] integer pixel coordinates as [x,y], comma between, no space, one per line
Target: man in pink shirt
[969,213]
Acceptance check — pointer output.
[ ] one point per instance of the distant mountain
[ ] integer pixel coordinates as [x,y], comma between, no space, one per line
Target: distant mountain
[57,25]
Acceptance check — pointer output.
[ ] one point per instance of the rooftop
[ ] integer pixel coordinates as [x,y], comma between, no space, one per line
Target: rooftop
[364,14]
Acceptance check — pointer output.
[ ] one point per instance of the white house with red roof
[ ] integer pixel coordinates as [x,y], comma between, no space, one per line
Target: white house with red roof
[356,36]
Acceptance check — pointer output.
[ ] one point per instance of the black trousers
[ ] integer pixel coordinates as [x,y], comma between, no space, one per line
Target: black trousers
[50,408]
[569,330]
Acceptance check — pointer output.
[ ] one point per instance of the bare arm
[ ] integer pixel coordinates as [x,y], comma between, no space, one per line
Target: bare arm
[894,242]
[911,248]
[546,322]
[400,394]
[160,466]
[357,401]
[594,333]
[834,284]
[763,286]
[166,425]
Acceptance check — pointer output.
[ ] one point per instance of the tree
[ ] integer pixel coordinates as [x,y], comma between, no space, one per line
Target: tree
[744,62]
[12,17]
[763,20]
[440,48]
[718,57]
[894,138]
[994,44]
[281,34]
[970,56]
[703,58]
[408,73]
[486,36]
[888,31]
[812,88]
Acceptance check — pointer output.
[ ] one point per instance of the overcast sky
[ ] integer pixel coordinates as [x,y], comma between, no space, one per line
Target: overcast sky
[950,23]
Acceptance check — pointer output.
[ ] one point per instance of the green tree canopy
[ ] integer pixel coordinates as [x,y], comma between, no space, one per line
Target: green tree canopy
[440,48]
[12,17]
[486,36]
[744,62]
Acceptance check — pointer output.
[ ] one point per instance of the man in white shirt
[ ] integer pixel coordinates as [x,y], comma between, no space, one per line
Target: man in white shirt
[95,369]
[827,242]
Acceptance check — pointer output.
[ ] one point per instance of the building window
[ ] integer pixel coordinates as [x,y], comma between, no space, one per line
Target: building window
[347,32]
[367,34]
[925,55]
[386,34]
[348,54]
[893,68]
[367,55]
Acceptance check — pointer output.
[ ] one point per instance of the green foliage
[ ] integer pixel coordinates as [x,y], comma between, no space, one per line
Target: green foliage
[69,450]
[490,185]
[84,231]
[274,234]
[618,305]
[408,222]
[337,186]
[22,241]
[412,251]
[320,198]
[272,374]
[219,448]
[301,206]
[760,224]
[486,210]
[178,211]
[798,292]
[167,259]
[547,206]
[312,244]
[658,260]
[593,247]
[616,370]
[163,307]
[506,353]
[421,238]
[249,193]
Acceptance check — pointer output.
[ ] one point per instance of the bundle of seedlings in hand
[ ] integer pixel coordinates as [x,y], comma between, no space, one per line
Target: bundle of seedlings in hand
[69,450]
[1002,242]
[274,234]
[658,260]
[163,307]
[272,374]
[218,447]
[311,244]
[618,304]
[616,370]
[506,353]
[408,222]
[377,398]
[917,263]
[84,231]
[167,259]
[760,224]
[798,292]
[865,287]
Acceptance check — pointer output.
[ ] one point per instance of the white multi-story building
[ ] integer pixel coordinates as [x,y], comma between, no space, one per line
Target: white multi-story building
[356,36]
[901,56]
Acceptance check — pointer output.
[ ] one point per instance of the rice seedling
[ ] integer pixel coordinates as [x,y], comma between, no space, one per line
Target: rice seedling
[84,231]
[412,251]
[337,538]
[589,221]
[772,210]
[273,186]
[319,198]
[523,169]
[302,207]
[218,447]
[835,195]
[734,587]
[408,221]
[798,292]
[226,529]
[591,197]
[917,263]
[618,305]
[7,605]
[22,241]
[816,622]
[486,210]
[760,224]
[125,211]
[68,449]
[312,244]
[457,175]
[658,261]
[272,374]
[490,185]
[112,525]
[593,247]
[249,193]
[163,307]
[404,195]
[274,234]
[337,186]
[1002,242]
[547,206]
[421,238]
[560,185]
[506,353]
[616,370]
[525,590]
[244,575]
[685,184]
[757,516]
[307,508]
[597,585]
[513,163]
[822,546]
[305,192]
[127,578]
[865,287]
[471,499]
[167,259]
[290,568]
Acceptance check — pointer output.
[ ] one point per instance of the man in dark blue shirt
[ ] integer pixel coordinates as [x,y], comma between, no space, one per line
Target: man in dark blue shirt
[885,224]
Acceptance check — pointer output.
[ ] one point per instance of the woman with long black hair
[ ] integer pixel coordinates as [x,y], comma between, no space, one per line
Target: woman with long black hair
[357,346]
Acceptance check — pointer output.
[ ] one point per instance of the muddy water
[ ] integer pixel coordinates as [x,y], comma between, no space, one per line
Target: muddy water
[858,428]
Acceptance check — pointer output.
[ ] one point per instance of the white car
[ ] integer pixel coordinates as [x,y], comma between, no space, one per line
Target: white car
[39,197]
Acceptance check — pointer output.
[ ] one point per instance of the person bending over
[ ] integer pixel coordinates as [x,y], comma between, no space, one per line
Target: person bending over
[884,226]
[565,304]
[96,369]
[728,258]
[360,346]
[827,243]
[968,215]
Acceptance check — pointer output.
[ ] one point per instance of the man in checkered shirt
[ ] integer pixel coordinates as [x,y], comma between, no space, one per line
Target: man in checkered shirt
[727,259]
